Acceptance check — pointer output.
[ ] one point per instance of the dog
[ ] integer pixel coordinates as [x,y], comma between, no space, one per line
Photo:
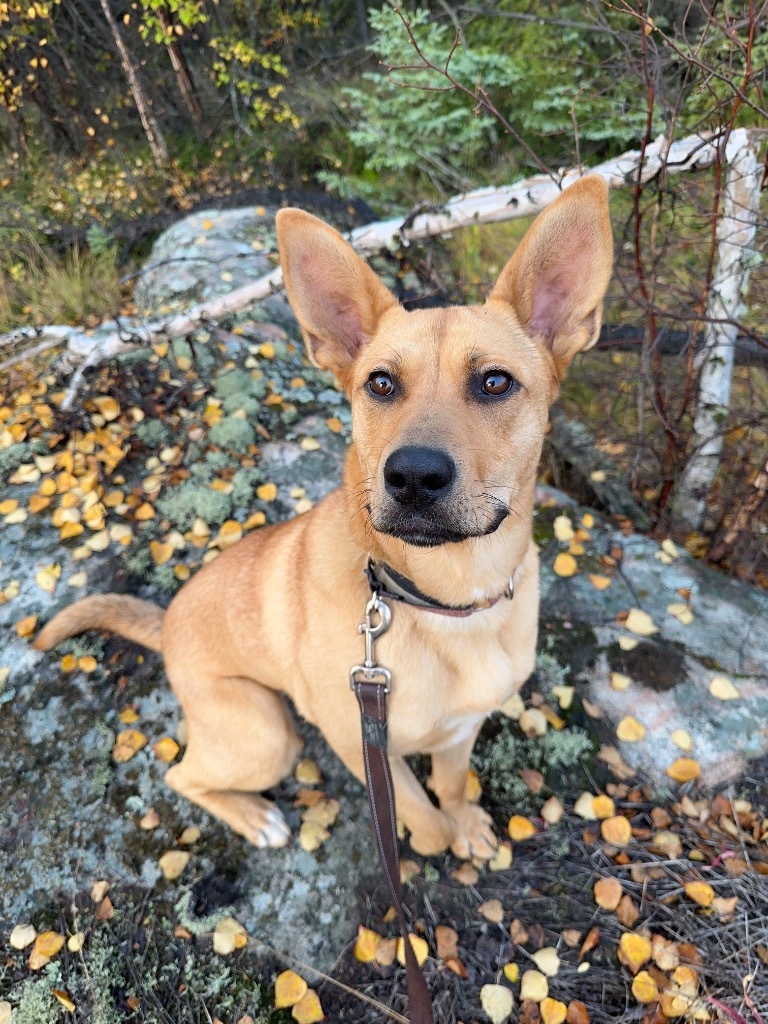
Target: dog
[449,412]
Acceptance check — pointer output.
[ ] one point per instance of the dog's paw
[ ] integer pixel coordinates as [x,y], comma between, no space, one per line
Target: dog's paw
[273,831]
[432,836]
[473,837]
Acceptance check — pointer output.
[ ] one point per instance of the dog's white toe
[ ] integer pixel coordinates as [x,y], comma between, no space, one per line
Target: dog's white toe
[275,832]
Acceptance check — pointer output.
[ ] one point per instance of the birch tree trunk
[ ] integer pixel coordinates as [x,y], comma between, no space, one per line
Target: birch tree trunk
[714,361]
[140,98]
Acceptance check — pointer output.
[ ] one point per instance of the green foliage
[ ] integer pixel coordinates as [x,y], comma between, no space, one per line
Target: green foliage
[36,1003]
[234,433]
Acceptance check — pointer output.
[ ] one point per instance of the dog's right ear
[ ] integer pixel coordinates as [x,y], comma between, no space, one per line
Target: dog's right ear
[335,295]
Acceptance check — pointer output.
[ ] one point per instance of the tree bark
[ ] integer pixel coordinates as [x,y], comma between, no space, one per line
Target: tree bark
[183,77]
[714,361]
[149,122]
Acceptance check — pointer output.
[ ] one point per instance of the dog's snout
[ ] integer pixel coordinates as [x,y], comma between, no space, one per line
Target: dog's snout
[417,476]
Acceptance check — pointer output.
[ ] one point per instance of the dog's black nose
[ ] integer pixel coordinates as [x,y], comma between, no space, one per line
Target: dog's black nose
[417,476]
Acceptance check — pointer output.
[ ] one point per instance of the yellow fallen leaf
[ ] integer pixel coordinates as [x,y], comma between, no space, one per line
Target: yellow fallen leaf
[472,788]
[533,722]
[629,730]
[552,811]
[76,942]
[267,350]
[325,812]
[700,892]
[564,695]
[497,1002]
[68,663]
[173,862]
[308,1009]
[722,688]
[420,949]
[228,935]
[585,807]
[128,743]
[628,643]
[64,998]
[107,406]
[682,739]
[492,911]
[150,821]
[229,533]
[644,988]
[547,961]
[670,548]
[597,476]
[310,444]
[512,973]
[266,492]
[48,944]
[640,623]
[520,828]
[87,663]
[673,1004]
[166,749]
[335,425]
[23,935]
[37,503]
[599,582]
[565,565]
[8,506]
[144,512]
[563,528]
[366,945]
[513,707]
[129,716]
[307,772]
[289,989]
[189,836]
[588,520]
[681,612]
[684,769]
[603,807]
[616,831]
[634,951]
[552,1011]
[312,835]
[608,893]
[620,681]
[257,519]
[534,986]
[161,552]
[26,627]
[302,506]
[502,859]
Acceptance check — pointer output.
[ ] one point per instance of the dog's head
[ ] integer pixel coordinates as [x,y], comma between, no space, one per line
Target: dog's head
[449,406]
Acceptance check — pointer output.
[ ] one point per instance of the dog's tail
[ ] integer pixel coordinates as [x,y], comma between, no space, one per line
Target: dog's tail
[131,617]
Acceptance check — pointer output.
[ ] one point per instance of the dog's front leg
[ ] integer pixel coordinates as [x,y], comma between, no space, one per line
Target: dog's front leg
[473,835]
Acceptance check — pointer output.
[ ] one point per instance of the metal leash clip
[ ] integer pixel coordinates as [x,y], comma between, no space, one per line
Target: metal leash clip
[369,671]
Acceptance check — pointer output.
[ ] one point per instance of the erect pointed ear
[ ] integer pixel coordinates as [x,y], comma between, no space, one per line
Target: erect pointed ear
[557,277]
[336,297]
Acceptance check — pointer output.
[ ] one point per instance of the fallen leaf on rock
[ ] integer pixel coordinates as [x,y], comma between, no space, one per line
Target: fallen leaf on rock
[552,1011]
[502,859]
[23,935]
[26,627]
[608,893]
[700,892]
[307,772]
[722,688]
[585,807]
[48,577]
[682,739]
[228,935]
[492,911]
[289,989]
[128,743]
[534,986]
[640,623]
[644,988]
[629,730]
[308,1009]
[681,612]
[267,492]
[616,830]
[565,565]
[161,552]
[166,749]
[189,836]
[603,807]
[620,681]
[597,476]
[547,961]
[634,951]
[150,820]
[599,582]
[684,769]
[670,548]
[312,835]
[628,643]
[325,812]
[497,1002]
[48,944]
[99,890]
[552,811]
[64,998]
[310,444]
[447,940]
[520,828]
[173,862]
[128,716]
[420,949]
[563,528]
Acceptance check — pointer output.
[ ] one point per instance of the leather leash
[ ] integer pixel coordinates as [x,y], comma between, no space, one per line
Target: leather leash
[372,684]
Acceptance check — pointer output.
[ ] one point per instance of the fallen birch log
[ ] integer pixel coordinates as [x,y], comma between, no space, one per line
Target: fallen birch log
[483,206]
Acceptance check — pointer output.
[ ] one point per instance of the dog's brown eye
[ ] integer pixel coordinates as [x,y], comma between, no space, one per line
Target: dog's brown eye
[381,384]
[497,383]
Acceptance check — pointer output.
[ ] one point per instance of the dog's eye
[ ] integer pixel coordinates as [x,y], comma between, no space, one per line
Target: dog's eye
[381,384]
[496,383]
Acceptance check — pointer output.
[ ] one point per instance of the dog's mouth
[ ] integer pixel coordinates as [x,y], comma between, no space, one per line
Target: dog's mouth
[430,529]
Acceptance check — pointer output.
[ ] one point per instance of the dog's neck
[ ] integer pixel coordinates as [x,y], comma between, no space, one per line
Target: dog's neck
[456,574]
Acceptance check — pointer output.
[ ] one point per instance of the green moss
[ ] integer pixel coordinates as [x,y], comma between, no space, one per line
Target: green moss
[234,433]
[104,980]
[165,579]
[139,562]
[244,484]
[36,1003]
[11,458]
[84,645]
[185,503]
[153,433]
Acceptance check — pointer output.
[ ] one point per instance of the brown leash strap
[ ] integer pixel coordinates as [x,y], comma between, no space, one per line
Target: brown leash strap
[372,698]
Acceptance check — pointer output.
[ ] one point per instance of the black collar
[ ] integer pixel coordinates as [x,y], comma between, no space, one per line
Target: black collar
[389,583]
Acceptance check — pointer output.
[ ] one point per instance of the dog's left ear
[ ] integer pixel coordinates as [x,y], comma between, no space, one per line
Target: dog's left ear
[335,295]
[557,277]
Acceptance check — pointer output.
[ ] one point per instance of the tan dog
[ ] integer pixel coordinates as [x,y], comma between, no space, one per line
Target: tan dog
[449,411]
